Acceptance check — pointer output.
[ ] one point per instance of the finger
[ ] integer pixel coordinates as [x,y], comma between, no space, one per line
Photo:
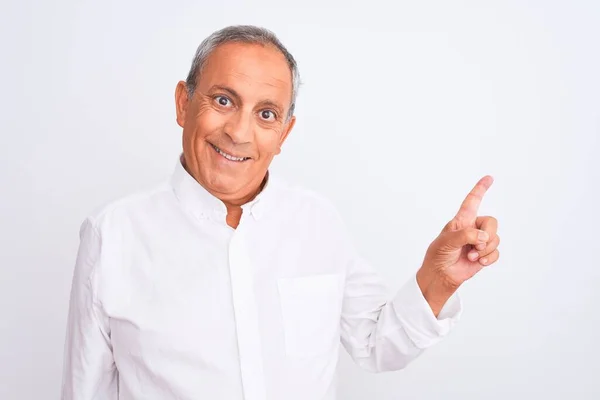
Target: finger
[488,224]
[462,237]
[490,259]
[470,206]
[488,249]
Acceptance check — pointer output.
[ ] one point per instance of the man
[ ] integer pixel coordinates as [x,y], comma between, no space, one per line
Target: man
[225,283]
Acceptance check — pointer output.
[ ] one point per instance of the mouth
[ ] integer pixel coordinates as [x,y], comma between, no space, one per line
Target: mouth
[229,156]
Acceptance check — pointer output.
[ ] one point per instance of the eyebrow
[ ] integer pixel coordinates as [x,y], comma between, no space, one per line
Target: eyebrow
[236,96]
[269,103]
[232,92]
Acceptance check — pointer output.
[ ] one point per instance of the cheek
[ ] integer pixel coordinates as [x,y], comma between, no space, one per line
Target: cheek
[267,142]
[205,123]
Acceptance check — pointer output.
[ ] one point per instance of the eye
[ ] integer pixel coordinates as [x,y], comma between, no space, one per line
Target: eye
[268,115]
[223,101]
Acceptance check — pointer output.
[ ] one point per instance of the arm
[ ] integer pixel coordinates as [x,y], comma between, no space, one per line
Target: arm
[89,370]
[383,334]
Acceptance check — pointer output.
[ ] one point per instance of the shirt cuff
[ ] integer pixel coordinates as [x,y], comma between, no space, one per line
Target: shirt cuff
[417,318]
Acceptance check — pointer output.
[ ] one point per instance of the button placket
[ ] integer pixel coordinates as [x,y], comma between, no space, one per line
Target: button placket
[246,317]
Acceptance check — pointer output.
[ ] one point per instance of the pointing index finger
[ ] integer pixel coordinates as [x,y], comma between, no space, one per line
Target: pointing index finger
[470,206]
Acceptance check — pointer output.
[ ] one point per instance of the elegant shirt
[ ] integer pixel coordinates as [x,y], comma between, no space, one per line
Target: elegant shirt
[169,302]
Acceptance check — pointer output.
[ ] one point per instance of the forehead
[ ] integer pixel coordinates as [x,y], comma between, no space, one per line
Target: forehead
[253,70]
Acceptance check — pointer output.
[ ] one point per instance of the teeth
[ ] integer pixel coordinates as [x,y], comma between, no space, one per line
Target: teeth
[229,156]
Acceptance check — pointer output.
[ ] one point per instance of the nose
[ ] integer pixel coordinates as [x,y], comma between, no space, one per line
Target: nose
[239,127]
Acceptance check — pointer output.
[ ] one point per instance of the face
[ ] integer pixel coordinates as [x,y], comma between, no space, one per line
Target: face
[235,122]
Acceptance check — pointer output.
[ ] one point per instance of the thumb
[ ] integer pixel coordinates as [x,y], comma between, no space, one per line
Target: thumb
[462,237]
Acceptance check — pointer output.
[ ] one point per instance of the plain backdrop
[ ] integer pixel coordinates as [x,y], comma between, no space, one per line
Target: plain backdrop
[404,106]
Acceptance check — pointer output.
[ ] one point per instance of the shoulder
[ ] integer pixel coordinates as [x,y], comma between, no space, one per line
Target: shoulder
[314,217]
[305,202]
[127,207]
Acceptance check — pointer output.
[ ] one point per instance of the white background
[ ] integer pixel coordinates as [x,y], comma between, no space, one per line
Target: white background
[404,106]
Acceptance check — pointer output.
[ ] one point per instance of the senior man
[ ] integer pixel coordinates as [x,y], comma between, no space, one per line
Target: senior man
[226,283]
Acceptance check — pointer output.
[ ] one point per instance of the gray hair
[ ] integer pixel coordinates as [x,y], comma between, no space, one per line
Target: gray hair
[245,34]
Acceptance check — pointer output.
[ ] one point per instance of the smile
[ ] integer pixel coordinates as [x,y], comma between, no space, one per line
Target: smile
[229,156]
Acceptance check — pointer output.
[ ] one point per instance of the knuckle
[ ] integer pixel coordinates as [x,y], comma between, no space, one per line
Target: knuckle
[470,234]
[449,226]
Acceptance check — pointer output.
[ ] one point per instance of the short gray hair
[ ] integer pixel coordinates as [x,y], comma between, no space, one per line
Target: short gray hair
[245,34]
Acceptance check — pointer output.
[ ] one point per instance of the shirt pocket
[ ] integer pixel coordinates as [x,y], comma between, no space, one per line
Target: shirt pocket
[311,309]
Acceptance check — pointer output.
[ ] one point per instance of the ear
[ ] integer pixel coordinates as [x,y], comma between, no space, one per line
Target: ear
[181,102]
[286,132]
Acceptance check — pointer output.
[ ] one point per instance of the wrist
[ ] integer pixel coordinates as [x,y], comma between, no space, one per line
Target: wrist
[435,288]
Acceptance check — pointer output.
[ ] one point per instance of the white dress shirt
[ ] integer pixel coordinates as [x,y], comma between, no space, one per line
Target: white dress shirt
[169,302]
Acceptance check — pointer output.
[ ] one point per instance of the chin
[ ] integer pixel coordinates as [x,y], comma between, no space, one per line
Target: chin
[225,184]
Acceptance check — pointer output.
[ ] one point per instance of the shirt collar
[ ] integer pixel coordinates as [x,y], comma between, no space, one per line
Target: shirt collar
[202,204]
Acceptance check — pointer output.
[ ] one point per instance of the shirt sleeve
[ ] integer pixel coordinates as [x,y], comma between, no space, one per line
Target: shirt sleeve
[383,332]
[89,370]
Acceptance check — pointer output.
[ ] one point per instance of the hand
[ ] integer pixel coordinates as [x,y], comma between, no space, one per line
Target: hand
[466,245]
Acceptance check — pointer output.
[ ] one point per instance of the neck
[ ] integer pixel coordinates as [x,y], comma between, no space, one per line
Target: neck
[233,203]
[234,208]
